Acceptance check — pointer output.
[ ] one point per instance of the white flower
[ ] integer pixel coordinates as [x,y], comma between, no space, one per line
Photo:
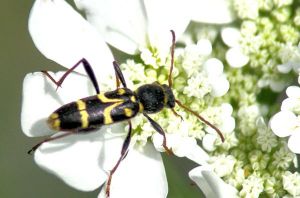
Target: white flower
[211,184]
[84,160]
[247,8]
[223,117]
[234,55]
[286,122]
[291,183]
[265,138]
[252,187]
[290,58]
[222,165]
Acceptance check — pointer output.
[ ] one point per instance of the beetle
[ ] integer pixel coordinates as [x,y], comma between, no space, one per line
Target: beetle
[105,108]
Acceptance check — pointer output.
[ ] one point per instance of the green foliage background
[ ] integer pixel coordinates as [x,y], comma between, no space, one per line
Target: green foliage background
[19,175]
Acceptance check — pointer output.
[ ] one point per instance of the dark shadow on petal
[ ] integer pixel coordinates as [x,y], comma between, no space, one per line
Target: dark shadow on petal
[40,128]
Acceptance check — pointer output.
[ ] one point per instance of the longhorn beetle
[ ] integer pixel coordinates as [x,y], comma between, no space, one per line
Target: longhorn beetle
[90,113]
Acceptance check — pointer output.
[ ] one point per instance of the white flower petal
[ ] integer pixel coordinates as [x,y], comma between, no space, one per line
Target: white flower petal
[141,21]
[213,11]
[236,58]
[293,142]
[293,92]
[140,174]
[284,68]
[177,19]
[80,160]
[231,36]
[126,32]
[204,47]
[213,67]
[40,99]
[181,146]
[208,142]
[211,184]
[290,104]
[283,123]
[220,85]
[277,85]
[64,36]
[228,125]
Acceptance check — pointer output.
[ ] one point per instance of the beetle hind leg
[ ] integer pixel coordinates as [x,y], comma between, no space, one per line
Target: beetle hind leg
[124,153]
[48,140]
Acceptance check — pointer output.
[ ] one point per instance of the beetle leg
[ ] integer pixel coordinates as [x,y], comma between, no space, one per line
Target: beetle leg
[88,69]
[124,153]
[48,140]
[158,128]
[119,75]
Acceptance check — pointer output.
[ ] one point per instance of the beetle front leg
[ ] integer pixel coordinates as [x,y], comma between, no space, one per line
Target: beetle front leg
[158,128]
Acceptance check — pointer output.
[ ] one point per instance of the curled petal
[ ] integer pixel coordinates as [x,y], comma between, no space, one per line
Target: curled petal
[64,36]
[40,99]
[293,142]
[80,160]
[283,123]
[211,184]
[140,174]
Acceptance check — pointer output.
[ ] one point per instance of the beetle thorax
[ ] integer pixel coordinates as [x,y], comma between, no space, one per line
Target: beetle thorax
[154,97]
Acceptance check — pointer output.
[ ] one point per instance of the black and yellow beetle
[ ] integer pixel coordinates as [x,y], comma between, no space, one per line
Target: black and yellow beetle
[122,104]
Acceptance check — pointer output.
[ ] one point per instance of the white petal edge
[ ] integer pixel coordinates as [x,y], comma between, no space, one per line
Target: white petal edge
[283,123]
[141,24]
[235,57]
[231,36]
[40,99]
[213,11]
[293,92]
[213,67]
[81,160]
[290,104]
[64,36]
[126,32]
[293,142]
[211,185]
[177,19]
[181,146]
[140,174]
[208,142]
[220,85]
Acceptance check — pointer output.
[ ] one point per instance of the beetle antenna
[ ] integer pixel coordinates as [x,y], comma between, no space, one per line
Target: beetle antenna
[172,58]
[202,119]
